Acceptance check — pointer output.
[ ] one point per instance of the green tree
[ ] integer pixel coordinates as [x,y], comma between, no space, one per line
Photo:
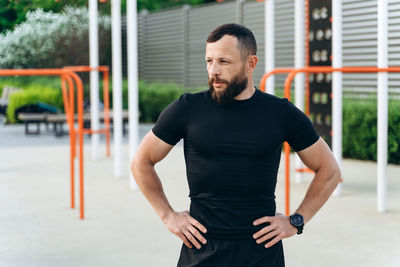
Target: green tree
[12,12]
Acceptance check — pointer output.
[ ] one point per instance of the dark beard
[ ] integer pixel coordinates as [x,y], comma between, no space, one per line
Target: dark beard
[233,88]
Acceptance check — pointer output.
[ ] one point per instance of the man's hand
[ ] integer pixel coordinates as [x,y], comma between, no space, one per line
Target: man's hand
[186,228]
[278,229]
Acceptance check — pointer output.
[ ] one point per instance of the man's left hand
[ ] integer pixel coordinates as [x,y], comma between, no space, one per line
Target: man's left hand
[278,229]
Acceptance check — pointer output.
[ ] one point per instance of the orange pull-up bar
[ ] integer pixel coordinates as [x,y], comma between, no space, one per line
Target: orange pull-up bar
[106,100]
[71,77]
[292,73]
[68,78]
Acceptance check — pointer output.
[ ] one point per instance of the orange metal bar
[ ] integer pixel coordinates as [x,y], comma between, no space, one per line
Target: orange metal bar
[265,77]
[106,99]
[68,102]
[304,170]
[90,131]
[78,81]
[80,134]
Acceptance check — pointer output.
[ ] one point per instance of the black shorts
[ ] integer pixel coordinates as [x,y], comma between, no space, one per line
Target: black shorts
[232,253]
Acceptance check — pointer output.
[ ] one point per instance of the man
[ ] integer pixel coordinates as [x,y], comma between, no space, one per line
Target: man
[233,134]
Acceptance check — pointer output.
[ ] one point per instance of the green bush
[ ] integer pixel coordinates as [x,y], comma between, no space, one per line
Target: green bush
[154,97]
[51,40]
[360,130]
[28,81]
[31,95]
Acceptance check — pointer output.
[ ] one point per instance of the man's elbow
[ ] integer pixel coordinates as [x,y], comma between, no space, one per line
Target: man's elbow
[138,164]
[336,176]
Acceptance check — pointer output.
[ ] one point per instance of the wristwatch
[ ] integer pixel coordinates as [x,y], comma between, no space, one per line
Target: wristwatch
[297,221]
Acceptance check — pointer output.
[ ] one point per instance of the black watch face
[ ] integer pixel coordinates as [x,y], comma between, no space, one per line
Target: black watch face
[297,219]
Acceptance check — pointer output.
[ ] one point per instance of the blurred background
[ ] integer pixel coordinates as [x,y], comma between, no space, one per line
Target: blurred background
[37,226]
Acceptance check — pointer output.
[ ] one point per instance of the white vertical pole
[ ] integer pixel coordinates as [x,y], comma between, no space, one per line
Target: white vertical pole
[133,89]
[269,43]
[337,91]
[299,61]
[117,84]
[382,104]
[94,75]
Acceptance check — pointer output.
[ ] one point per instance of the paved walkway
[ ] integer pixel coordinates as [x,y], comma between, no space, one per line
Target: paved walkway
[37,227]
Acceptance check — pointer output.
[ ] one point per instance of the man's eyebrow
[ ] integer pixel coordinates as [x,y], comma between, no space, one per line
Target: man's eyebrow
[219,58]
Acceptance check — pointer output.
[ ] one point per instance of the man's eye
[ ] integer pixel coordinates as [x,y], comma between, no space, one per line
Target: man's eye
[224,61]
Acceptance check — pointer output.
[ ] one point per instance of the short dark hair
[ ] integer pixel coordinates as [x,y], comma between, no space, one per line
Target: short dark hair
[246,42]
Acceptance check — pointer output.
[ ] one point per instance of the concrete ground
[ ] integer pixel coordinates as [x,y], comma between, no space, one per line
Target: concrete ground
[38,228]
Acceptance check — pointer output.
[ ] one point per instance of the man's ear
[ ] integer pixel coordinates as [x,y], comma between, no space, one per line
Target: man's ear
[251,63]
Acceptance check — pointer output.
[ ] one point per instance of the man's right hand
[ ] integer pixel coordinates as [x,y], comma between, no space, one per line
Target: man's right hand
[186,228]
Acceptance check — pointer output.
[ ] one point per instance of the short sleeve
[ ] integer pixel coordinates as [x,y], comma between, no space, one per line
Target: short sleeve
[299,131]
[170,125]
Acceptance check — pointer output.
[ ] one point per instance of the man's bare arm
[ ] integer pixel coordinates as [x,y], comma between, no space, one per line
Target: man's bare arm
[320,159]
[152,150]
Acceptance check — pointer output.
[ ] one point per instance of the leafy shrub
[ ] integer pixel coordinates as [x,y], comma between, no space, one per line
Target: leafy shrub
[154,97]
[32,95]
[48,40]
[360,130]
[28,81]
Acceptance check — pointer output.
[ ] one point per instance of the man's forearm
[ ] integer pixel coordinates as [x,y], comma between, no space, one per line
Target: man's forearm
[320,189]
[151,187]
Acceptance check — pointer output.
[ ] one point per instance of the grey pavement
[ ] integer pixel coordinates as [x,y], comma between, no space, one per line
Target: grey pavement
[38,228]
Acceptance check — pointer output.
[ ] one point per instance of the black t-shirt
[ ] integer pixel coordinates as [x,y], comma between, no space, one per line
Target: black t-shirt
[232,155]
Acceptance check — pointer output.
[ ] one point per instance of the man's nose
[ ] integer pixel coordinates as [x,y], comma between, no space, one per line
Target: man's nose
[214,70]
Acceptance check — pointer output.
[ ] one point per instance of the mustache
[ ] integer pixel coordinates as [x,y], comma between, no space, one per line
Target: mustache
[217,80]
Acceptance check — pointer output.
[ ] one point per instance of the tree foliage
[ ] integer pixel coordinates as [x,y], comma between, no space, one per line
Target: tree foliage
[50,40]
[12,12]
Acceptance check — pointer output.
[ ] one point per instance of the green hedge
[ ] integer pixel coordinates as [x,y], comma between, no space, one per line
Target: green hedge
[32,95]
[359,116]
[360,130]
[29,81]
[153,98]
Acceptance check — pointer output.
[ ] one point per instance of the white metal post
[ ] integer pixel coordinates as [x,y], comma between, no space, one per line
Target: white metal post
[337,91]
[117,84]
[269,43]
[299,61]
[382,104]
[133,88]
[94,75]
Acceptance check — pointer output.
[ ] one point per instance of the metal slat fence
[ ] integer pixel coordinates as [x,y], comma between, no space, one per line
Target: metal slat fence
[172,42]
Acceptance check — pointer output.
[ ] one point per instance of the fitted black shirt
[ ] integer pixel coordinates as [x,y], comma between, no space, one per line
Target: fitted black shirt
[232,155]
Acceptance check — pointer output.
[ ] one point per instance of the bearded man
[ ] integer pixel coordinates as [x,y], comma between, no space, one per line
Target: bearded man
[233,135]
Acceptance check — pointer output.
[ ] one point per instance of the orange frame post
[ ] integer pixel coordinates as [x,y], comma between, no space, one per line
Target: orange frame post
[106,99]
[292,73]
[67,77]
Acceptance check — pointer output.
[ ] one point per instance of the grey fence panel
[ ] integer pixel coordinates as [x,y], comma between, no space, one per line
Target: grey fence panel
[202,20]
[360,44]
[284,37]
[172,42]
[164,46]
[394,45]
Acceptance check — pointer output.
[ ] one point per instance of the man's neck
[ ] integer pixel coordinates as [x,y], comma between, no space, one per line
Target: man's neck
[246,93]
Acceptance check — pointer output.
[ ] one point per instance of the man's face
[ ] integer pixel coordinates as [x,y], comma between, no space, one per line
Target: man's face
[226,70]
